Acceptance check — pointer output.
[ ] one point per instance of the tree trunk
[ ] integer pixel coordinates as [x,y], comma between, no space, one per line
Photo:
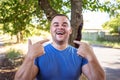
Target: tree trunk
[21,36]
[45,6]
[76,17]
[77,24]
[76,21]
[18,38]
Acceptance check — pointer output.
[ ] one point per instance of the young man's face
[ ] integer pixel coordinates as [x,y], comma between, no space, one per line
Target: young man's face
[60,29]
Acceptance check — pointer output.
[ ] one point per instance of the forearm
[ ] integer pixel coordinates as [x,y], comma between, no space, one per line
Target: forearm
[26,70]
[96,71]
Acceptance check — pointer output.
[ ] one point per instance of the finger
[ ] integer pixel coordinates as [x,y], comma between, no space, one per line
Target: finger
[43,41]
[81,55]
[29,42]
[76,42]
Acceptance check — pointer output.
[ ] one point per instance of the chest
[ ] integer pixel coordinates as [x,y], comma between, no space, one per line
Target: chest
[60,66]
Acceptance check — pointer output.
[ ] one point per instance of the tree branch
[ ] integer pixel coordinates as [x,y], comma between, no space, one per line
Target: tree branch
[49,11]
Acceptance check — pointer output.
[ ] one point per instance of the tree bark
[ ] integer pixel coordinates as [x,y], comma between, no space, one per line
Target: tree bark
[76,21]
[76,17]
[21,36]
[49,11]
[18,38]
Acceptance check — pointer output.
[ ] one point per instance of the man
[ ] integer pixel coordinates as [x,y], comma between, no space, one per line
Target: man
[58,60]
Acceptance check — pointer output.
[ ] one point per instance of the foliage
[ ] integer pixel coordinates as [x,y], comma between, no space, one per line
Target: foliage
[114,10]
[17,15]
[113,7]
[13,53]
[113,24]
[94,5]
[63,6]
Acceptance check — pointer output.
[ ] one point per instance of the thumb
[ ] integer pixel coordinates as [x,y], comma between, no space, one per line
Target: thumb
[29,43]
[76,42]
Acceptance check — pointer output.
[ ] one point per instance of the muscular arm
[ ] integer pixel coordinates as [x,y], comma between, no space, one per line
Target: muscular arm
[92,70]
[27,71]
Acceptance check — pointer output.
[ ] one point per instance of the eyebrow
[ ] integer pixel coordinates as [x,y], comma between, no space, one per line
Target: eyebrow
[65,23]
[58,23]
[55,23]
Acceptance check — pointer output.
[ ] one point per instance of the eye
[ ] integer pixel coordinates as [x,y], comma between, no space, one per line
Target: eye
[56,25]
[64,25]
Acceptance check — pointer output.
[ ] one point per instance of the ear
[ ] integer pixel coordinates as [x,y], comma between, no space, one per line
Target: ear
[50,29]
[70,30]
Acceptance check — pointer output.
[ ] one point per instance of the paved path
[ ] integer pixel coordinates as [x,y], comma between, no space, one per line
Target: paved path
[109,58]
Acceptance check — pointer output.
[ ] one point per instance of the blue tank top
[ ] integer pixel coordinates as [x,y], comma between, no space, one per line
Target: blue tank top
[59,64]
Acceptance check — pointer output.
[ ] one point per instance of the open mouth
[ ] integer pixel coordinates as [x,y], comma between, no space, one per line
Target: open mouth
[60,32]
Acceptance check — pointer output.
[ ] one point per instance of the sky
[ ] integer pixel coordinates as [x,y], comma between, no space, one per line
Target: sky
[94,19]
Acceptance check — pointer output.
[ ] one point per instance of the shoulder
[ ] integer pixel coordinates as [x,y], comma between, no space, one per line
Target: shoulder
[72,49]
[48,46]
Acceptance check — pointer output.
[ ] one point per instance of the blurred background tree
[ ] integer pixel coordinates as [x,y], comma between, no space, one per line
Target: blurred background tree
[113,25]
[16,17]
[21,17]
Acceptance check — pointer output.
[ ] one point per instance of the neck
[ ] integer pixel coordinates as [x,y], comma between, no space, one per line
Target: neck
[60,46]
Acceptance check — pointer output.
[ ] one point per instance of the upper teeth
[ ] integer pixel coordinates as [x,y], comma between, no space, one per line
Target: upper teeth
[60,32]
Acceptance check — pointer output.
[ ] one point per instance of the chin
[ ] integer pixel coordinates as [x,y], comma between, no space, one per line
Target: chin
[60,40]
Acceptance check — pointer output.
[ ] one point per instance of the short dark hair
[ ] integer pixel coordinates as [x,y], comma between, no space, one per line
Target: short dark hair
[59,15]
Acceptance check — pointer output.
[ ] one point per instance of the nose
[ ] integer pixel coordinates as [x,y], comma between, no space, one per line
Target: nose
[61,27]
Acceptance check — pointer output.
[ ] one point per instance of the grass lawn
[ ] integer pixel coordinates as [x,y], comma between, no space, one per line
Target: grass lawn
[104,43]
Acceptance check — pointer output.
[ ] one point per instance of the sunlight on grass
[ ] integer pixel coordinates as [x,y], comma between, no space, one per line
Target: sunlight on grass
[8,43]
[104,43]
